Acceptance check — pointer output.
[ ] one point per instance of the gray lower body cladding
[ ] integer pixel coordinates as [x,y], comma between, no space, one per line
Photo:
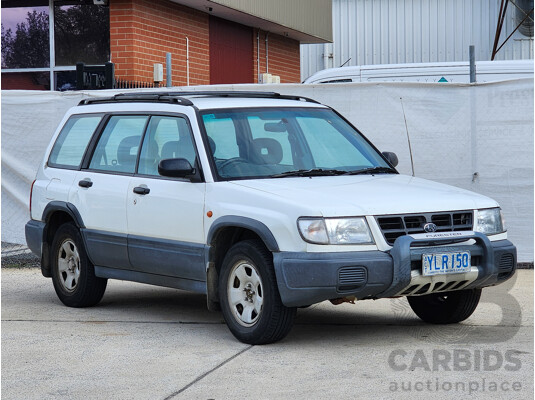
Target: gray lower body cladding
[34,236]
[303,278]
[308,278]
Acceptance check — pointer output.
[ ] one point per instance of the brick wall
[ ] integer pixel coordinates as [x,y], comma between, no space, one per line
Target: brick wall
[142,32]
[283,57]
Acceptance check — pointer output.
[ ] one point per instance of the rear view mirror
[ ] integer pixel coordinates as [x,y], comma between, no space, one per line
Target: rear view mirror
[391,158]
[275,127]
[175,168]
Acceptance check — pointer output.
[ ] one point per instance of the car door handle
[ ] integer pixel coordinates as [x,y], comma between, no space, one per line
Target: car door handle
[86,183]
[141,190]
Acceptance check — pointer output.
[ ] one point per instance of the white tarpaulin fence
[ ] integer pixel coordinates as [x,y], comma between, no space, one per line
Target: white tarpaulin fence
[477,137]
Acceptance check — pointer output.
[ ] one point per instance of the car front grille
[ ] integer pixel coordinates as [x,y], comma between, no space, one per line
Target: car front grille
[394,226]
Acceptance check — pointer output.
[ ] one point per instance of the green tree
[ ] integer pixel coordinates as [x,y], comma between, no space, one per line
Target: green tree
[81,33]
[29,46]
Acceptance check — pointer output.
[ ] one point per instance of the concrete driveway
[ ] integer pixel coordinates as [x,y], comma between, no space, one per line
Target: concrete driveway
[145,342]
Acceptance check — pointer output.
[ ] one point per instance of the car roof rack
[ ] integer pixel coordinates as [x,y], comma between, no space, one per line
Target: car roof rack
[179,97]
[138,97]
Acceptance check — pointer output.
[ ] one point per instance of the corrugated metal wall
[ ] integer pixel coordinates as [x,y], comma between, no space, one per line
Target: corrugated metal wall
[406,31]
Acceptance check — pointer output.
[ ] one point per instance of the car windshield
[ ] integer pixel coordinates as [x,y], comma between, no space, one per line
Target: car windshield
[282,142]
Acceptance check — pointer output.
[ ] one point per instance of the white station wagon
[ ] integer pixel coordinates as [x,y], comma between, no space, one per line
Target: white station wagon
[263,202]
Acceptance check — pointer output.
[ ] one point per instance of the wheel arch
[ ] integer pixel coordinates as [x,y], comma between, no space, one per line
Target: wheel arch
[55,214]
[222,235]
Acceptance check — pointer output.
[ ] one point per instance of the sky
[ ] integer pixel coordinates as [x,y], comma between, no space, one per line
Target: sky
[13,16]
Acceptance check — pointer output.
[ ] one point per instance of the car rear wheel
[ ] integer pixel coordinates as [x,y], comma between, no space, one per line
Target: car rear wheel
[73,274]
[249,296]
[447,307]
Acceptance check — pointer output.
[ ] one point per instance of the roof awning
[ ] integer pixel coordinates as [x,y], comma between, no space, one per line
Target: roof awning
[300,24]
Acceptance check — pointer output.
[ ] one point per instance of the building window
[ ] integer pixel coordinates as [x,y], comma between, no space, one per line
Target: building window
[25,36]
[81,33]
[26,80]
[43,40]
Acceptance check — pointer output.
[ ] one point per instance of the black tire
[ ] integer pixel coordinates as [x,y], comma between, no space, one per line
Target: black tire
[274,320]
[447,307]
[71,267]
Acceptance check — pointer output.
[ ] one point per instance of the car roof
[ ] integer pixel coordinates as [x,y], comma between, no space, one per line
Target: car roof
[207,99]
[204,103]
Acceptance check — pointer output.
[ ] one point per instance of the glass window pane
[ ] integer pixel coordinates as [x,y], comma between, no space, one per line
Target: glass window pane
[25,36]
[26,81]
[265,133]
[329,148]
[81,33]
[70,146]
[167,137]
[274,141]
[223,134]
[117,148]
[65,80]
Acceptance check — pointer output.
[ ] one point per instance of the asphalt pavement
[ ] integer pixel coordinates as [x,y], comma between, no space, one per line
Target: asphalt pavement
[146,342]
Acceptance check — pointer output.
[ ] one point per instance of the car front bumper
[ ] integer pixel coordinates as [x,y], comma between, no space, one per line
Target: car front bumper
[308,278]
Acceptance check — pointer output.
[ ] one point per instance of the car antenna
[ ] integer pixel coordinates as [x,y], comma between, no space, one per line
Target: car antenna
[349,59]
[408,137]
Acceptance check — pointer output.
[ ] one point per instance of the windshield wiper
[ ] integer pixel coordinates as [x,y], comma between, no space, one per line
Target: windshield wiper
[373,170]
[309,172]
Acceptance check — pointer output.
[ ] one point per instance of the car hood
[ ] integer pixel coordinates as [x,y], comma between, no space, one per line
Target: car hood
[368,194]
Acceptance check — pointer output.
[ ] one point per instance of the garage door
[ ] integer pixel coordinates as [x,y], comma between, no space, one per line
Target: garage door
[231,52]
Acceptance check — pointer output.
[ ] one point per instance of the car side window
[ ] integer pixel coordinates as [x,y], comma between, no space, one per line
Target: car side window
[72,141]
[118,145]
[167,137]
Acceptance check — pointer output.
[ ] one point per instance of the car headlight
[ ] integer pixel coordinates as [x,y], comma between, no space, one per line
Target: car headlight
[490,221]
[335,230]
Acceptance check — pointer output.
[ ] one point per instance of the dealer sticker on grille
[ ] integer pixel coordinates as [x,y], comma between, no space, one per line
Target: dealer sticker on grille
[446,263]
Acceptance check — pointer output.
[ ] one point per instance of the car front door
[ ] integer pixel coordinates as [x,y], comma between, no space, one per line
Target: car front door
[165,215]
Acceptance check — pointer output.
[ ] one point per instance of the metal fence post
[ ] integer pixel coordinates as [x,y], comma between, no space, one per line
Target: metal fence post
[168,70]
[472,53]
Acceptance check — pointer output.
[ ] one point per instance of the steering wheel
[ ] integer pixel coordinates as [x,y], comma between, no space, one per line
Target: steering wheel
[232,160]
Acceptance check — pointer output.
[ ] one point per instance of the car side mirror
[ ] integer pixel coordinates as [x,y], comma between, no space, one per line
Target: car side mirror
[175,168]
[391,158]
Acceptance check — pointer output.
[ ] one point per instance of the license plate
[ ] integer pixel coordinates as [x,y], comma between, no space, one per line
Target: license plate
[446,263]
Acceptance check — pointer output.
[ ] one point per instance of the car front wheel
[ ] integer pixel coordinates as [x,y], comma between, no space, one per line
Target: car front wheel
[249,296]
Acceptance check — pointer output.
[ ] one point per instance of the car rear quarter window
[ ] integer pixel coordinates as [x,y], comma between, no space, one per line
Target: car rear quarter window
[72,141]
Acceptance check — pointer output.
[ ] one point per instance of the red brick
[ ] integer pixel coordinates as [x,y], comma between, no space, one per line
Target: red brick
[143,31]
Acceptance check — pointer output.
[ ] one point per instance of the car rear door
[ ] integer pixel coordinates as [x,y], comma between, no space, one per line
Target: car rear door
[100,189]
